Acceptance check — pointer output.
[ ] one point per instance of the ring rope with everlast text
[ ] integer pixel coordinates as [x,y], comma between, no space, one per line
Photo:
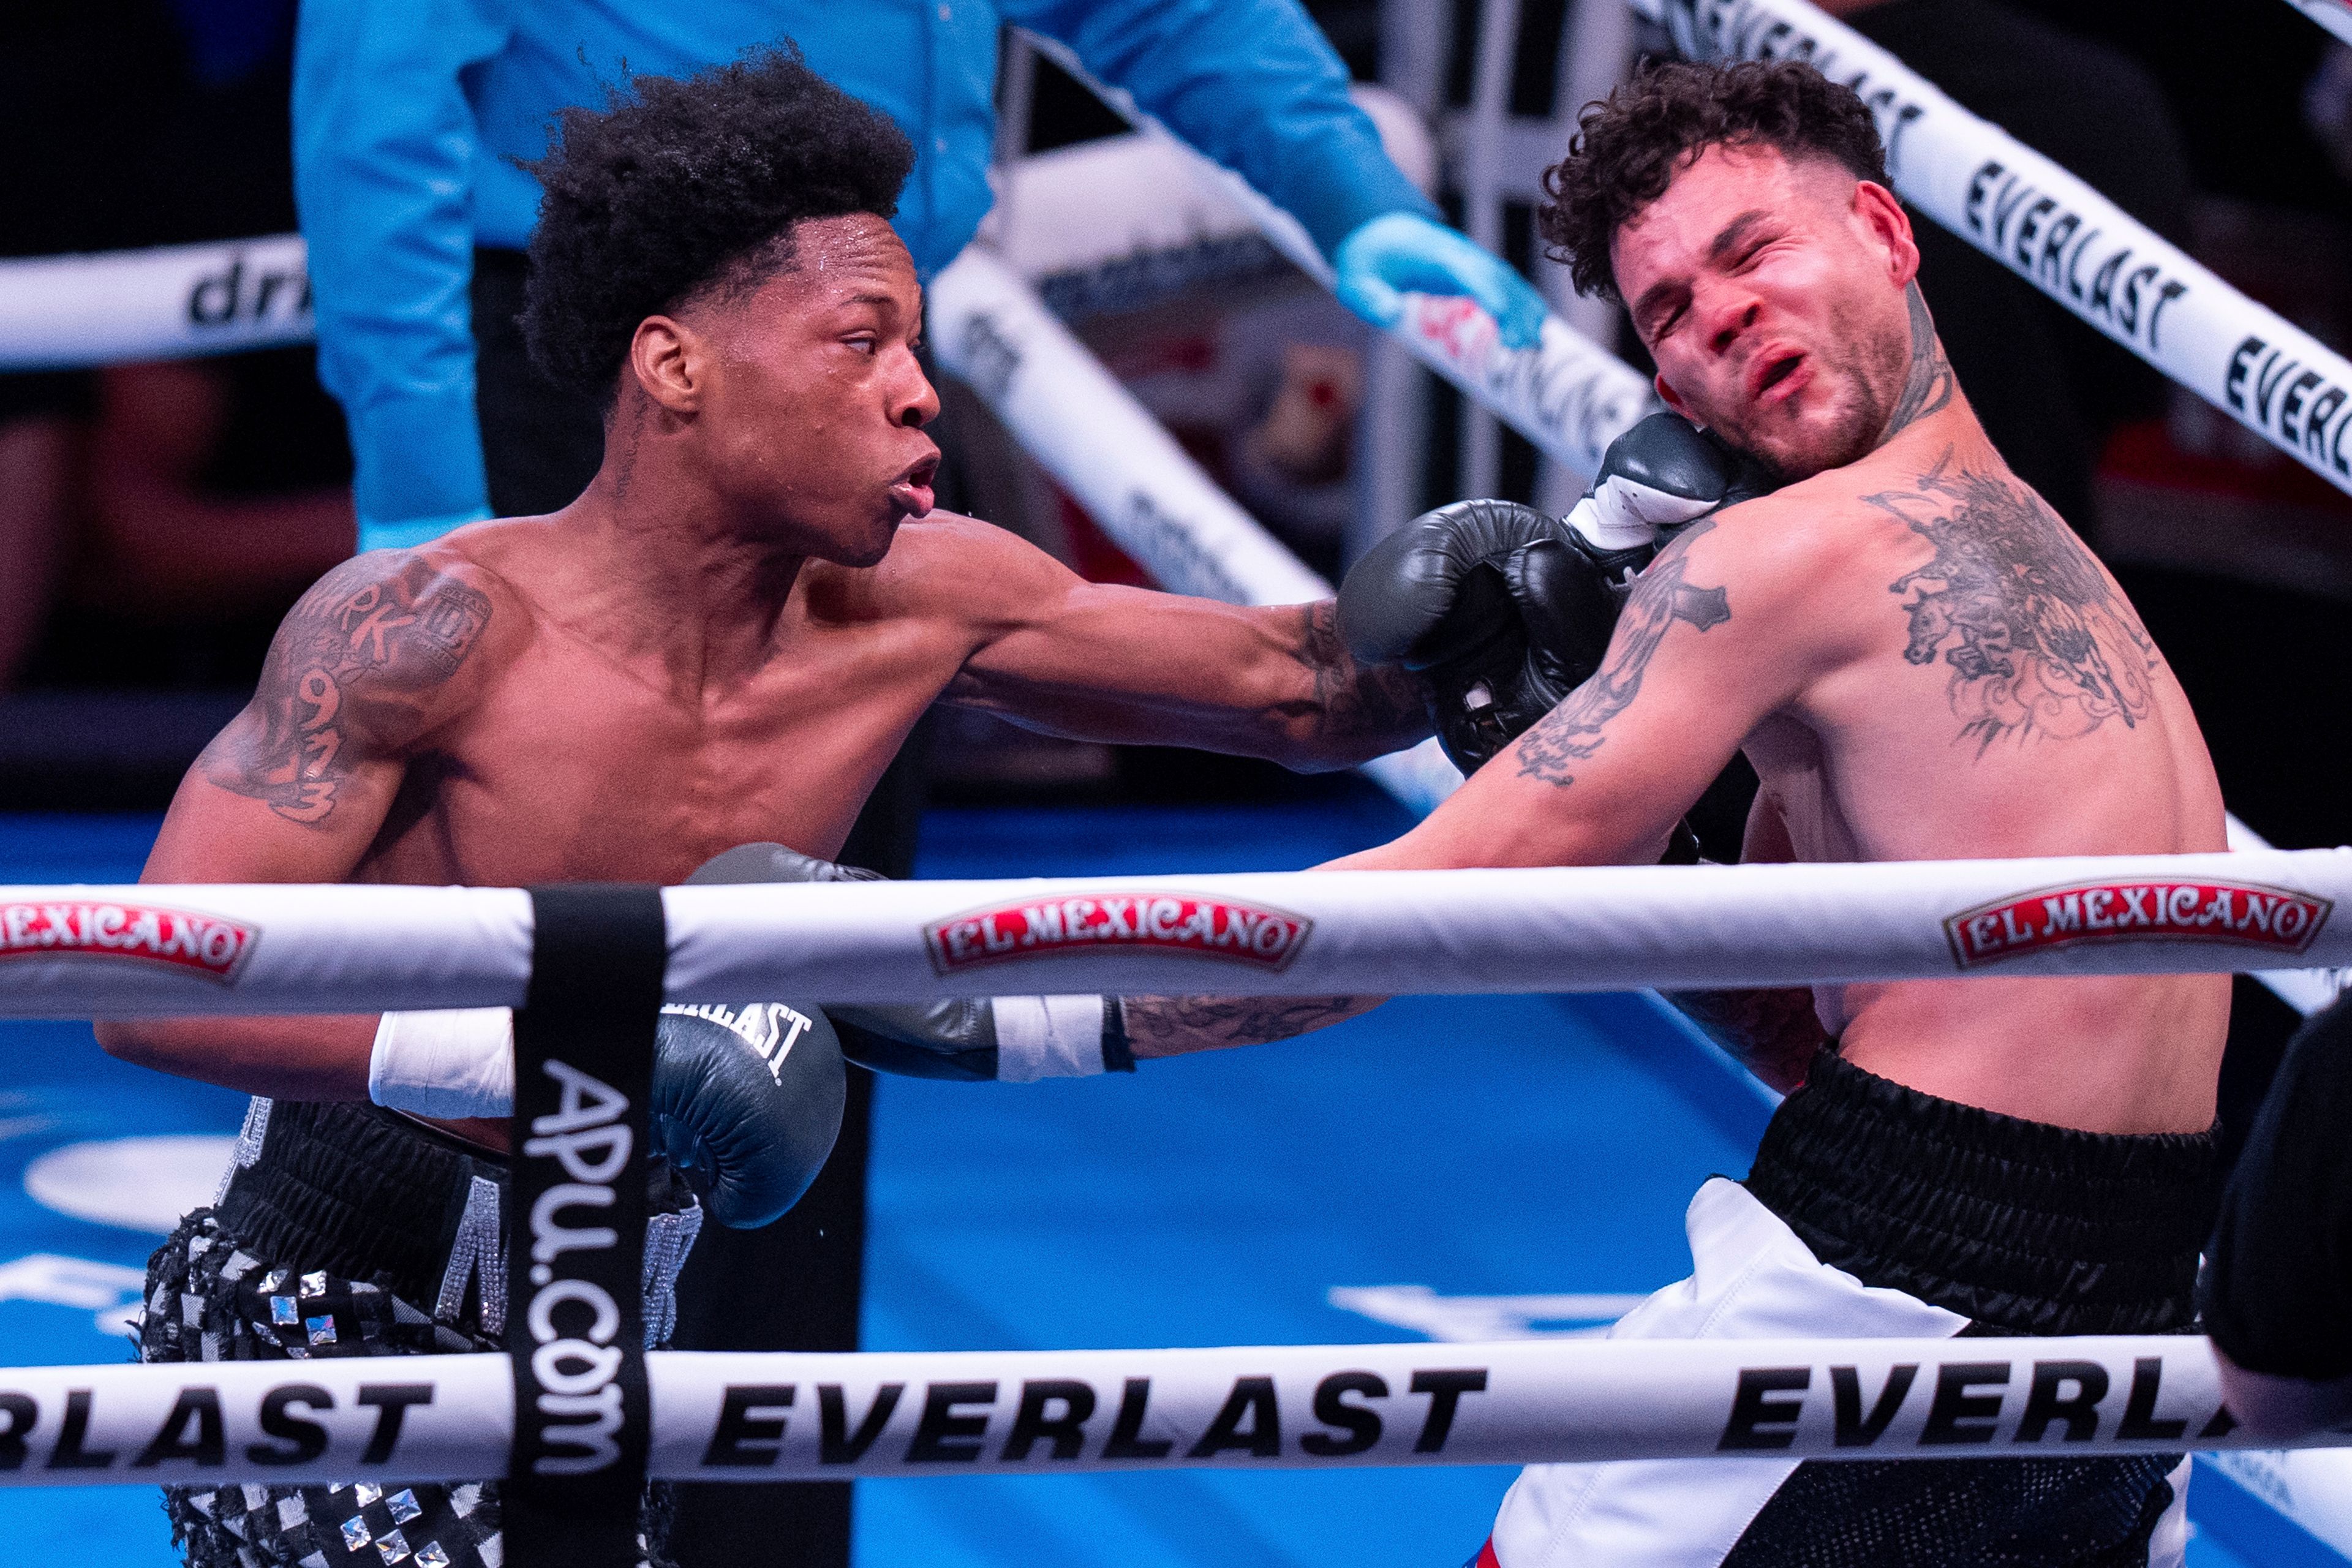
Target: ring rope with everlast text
[744,1416]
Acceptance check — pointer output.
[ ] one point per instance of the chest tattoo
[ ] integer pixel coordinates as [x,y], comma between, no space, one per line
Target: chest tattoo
[2038,641]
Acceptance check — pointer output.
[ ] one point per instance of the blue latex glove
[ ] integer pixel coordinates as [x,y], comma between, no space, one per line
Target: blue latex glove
[1398,253]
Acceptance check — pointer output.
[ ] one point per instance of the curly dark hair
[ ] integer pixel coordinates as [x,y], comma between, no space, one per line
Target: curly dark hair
[1628,148]
[679,186]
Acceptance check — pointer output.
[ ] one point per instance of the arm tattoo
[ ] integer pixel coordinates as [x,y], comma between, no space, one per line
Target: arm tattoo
[2038,640]
[1660,596]
[1354,703]
[1170,1025]
[1773,1033]
[353,670]
[1927,389]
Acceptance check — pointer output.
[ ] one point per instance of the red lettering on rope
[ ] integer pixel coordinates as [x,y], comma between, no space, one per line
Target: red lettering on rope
[1130,921]
[182,939]
[2052,918]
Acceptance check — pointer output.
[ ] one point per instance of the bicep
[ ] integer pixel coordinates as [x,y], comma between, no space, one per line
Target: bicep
[1602,778]
[266,804]
[1115,663]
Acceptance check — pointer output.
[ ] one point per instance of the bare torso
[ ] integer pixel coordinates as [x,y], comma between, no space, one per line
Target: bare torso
[1923,663]
[1997,696]
[587,754]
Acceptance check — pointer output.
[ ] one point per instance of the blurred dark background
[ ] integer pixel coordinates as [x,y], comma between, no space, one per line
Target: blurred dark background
[155,520]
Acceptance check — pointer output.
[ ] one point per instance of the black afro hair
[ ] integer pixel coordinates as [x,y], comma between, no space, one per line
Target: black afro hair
[682,184]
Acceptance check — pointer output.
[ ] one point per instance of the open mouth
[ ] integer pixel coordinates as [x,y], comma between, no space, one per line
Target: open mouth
[1776,372]
[910,492]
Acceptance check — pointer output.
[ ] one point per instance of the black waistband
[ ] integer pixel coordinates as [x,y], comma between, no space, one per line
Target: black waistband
[2025,1227]
[368,1194]
[357,1190]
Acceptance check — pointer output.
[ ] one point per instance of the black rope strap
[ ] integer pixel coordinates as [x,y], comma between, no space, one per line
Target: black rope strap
[575,1325]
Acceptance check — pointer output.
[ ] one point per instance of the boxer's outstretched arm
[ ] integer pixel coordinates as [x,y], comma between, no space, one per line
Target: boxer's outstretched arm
[1176,1026]
[375,657]
[1103,662]
[1720,631]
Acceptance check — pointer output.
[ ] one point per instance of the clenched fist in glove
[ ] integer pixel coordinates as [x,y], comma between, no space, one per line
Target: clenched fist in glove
[1503,611]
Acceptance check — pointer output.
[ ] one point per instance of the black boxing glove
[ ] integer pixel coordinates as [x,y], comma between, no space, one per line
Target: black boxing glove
[746,1103]
[1504,611]
[1010,1039]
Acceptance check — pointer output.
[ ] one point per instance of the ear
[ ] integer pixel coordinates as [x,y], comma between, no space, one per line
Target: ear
[1674,400]
[1880,213]
[669,359]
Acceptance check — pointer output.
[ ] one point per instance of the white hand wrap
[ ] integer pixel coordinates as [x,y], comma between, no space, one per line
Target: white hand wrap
[1048,1037]
[449,1064]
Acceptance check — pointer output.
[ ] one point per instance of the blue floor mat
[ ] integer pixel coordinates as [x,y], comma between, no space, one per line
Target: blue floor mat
[1479,1149]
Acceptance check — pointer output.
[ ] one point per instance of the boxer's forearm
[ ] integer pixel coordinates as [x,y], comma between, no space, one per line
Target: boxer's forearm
[1175,1025]
[1348,713]
[1099,661]
[1773,1033]
[315,1059]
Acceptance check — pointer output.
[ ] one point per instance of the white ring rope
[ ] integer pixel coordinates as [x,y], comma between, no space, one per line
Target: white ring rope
[1567,394]
[739,1417]
[2334,15]
[59,311]
[79,952]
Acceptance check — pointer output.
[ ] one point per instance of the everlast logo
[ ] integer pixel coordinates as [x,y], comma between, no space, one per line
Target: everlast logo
[2057,918]
[1178,558]
[991,359]
[1968,1403]
[237,294]
[2298,406]
[2047,241]
[1585,398]
[64,1437]
[1165,922]
[576,1359]
[770,1028]
[1742,30]
[1064,1418]
[202,944]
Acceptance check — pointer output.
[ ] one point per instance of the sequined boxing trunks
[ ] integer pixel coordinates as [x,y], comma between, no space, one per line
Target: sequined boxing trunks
[347,1230]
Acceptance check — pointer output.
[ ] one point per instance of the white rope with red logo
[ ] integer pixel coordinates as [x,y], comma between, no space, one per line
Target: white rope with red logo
[79,951]
[755,1417]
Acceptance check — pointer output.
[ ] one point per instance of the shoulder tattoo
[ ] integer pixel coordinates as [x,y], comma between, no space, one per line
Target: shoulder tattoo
[2038,641]
[1661,595]
[353,671]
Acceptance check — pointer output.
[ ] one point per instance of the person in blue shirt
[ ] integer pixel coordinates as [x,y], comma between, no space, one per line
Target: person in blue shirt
[410,119]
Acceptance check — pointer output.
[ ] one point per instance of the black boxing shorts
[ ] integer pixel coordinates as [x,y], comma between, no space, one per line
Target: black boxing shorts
[347,1230]
[1874,1210]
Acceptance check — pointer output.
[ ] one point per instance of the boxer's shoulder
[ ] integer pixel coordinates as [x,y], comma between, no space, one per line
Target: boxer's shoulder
[402,638]
[945,566]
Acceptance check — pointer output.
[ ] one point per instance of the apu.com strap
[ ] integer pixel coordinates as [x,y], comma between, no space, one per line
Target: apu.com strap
[575,1335]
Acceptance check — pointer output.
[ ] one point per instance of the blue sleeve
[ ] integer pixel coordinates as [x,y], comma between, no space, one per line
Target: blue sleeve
[1252,83]
[385,144]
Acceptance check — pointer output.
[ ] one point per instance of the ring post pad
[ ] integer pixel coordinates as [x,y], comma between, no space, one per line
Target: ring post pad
[575,1332]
